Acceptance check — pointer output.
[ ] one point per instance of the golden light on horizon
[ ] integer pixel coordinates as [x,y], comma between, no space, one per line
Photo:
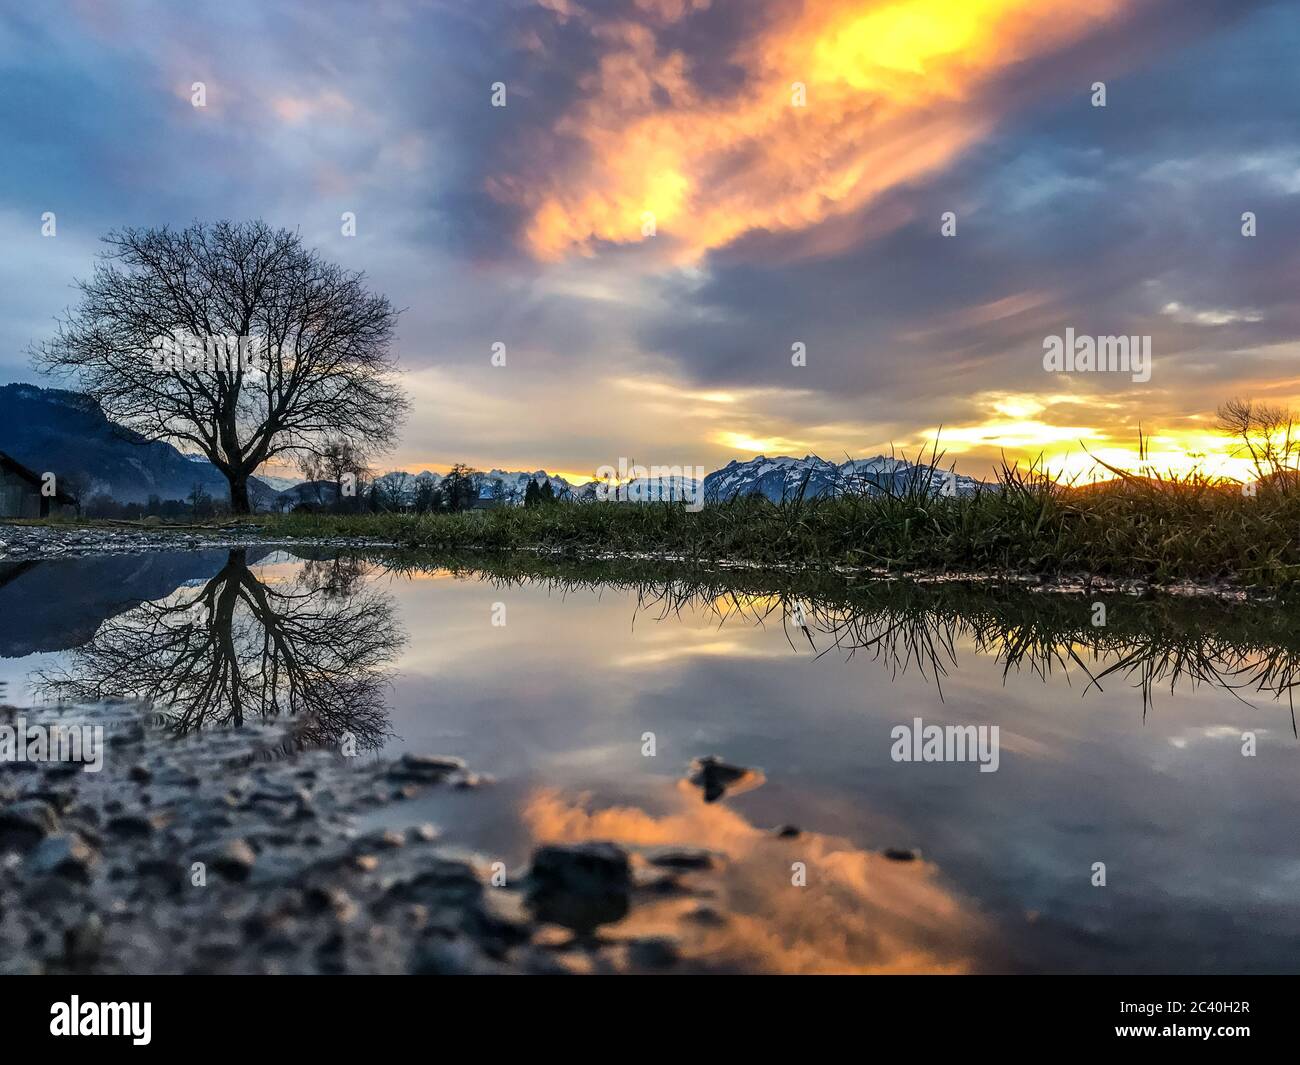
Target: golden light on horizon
[1082,454]
[756,445]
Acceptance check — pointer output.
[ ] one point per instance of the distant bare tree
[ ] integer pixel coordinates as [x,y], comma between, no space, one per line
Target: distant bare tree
[426,495]
[75,484]
[459,489]
[343,461]
[295,350]
[200,501]
[312,467]
[1267,434]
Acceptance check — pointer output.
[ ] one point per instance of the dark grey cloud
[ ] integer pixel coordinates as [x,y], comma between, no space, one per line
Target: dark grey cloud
[1068,214]
[1107,215]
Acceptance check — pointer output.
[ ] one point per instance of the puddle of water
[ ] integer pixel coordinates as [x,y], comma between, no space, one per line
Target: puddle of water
[587,698]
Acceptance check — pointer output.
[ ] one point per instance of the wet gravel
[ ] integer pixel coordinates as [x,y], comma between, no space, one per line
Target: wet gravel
[38,542]
[232,851]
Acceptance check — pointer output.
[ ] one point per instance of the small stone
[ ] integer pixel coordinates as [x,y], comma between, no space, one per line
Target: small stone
[715,776]
[501,918]
[709,916]
[130,826]
[425,833]
[140,774]
[234,861]
[386,840]
[24,824]
[170,874]
[83,942]
[585,868]
[440,881]
[448,957]
[63,854]
[655,881]
[900,854]
[334,900]
[680,857]
[580,885]
[426,768]
[653,952]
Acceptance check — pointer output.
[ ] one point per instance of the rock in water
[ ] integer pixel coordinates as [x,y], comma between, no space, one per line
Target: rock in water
[715,776]
[580,885]
[900,854]
[680,857]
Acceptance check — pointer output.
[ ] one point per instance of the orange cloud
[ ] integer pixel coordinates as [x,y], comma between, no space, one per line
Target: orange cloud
[858,913]
[892,91]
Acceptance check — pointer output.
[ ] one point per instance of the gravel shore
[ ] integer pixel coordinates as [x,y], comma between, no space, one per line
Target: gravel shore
[38,542]
[232,851]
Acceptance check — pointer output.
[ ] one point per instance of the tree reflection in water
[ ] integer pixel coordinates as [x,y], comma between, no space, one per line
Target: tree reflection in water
[314,645]
[1152,643]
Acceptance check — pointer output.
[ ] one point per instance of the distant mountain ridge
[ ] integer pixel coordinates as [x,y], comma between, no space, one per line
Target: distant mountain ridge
[785,478]
[55,430]
[513,484]
[66,433]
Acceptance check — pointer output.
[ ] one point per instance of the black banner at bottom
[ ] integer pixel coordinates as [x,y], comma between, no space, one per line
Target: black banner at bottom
[151,1014]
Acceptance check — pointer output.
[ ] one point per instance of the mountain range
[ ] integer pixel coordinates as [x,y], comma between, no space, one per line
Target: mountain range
[784,478]
[62,431]
[65,433]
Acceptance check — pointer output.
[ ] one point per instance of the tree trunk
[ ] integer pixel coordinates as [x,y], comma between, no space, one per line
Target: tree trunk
[239,493]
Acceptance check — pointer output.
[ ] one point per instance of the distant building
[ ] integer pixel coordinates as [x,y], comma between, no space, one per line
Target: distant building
[21,496]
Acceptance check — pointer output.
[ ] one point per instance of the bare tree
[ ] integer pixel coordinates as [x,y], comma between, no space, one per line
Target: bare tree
[1267,434]
[234,338]
[343,462]
[76,485]
[312,467]
[460,487]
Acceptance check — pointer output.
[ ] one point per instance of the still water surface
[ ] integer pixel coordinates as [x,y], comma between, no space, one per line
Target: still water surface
[552,688]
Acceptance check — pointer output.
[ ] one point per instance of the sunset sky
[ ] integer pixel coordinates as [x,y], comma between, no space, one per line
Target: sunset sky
[774,224]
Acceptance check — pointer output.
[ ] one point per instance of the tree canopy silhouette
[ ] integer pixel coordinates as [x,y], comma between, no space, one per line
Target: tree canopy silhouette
[235,339]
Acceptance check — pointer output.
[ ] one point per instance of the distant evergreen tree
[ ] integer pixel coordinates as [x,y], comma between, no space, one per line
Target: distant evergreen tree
[547,494]
[532,494]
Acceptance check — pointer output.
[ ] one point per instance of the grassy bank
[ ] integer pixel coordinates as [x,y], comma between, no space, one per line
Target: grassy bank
[1161,531]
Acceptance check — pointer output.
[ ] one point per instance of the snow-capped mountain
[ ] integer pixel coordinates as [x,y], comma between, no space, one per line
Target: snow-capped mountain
[512,485]
[775,478]
[640,490]
[784,477]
